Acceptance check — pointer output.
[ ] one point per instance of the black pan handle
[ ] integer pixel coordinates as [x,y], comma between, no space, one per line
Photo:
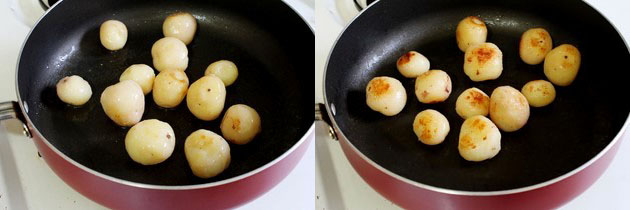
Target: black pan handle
[321,114]
[11,110]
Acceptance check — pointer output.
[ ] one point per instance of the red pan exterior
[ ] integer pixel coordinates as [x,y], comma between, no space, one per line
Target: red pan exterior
[116,195]
[410,196]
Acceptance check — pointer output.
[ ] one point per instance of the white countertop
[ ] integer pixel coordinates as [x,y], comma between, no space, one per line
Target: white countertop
[26,182]
[338,186]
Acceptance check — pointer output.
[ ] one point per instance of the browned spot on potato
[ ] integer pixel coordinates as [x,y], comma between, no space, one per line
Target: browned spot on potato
[426,134]
[478,124]
[447,90]
[469,59]
[236,124]
[534,42]
[477,71]
[405,58]
[543,34]
[379,86]
[531,88]
[424,94]
[466,142]
[467,97]
[484,54]
[477,98]
[168,136]
[485,137]
[566,65]
[542,49]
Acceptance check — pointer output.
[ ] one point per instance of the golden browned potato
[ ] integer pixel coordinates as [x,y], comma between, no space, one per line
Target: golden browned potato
[509,109]
[150,142]
[240,124]
[562,64]
[169,88]
[206,97]
[385,95]
[539,93]
[169,54]
[141,74]
[412,64]
[479,139]
[534,46]
[431,127]
[208,154]
[483,62]
[181,25]
[433,86]
[113,34]
[74,90]
[123,103]
[472,102]
[470,31]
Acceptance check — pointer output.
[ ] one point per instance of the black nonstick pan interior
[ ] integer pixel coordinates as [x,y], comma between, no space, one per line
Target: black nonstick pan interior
[579,124]
[271,45]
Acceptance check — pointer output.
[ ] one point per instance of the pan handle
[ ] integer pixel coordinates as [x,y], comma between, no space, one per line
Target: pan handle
[11,110]
[321,114]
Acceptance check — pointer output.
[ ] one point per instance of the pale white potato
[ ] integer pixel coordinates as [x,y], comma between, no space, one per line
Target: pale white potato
[208,154]
[483,62]
[479,139]
[539,93]
[150,142]
[509,108]
[169,54]
[225,70]
[181,25]
[240,124]
[562,64]
[169,88]
[534,46]
[431,127]
[206,97]
[123,103]
[385,95]
[472,102]
[412,64]
[470,31]
[141,74]
[74,90]
[113,34]
[433,86]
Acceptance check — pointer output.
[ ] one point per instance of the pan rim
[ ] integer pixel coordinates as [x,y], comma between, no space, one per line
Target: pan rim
[251,173]
[557,179]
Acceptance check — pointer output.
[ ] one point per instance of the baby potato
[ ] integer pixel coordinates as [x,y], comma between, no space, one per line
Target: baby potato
[208,154]
[483,62]
[431,127]
[509,109]
[240,124]
[562,64]
[206,97]
[535,44]
[181,25]
[169,54]
[472,102]
[412,64]
[479,139]
[123,103]
[74,90]
[385,95]
[539,93]
[433,86]
[113,34]
[150,142]
[169,88]
[225,70]
[141,74]
[470,31]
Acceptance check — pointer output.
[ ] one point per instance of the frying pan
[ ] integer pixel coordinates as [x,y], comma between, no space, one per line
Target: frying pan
[563,148]
[270,43]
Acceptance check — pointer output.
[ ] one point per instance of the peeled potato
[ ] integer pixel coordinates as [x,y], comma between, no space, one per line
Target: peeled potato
[225,70]
[169,54]
[433,86]
[113,34]
[534,46]
[509,109]
[141,74]
[74,90]
[123,103]
[385,95]
[483,62]
[431,127]
[150,142]
[470,31]
[206,97]
[539,93]
[479,139]
[181,25]
[169,88]
[562,64]
[412,64]
[208,154]
[240,124]
[472,102]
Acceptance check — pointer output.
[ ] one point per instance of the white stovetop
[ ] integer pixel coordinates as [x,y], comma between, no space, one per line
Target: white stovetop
[26,182]
[338,186]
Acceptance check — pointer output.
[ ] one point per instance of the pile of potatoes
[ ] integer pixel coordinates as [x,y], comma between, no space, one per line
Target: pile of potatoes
[152,141]
[507,107]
